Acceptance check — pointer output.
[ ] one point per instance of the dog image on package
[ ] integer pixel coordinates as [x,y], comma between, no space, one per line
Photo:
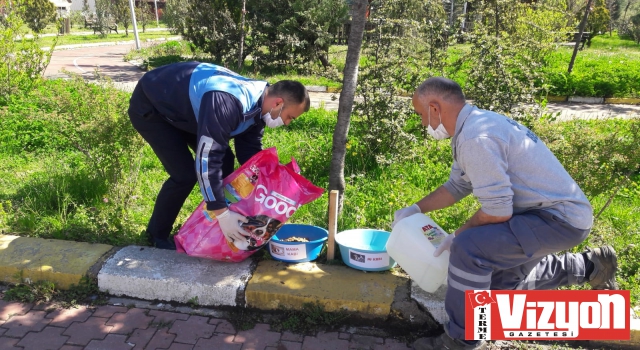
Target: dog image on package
[266,192]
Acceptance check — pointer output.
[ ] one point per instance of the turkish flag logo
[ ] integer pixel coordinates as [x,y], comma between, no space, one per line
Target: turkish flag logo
[480,298]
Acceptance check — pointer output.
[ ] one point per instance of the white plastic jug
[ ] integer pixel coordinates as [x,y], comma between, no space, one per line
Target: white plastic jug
[412,243]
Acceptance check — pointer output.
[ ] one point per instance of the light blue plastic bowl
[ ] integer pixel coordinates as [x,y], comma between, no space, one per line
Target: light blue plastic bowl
[316,236]
[365,249]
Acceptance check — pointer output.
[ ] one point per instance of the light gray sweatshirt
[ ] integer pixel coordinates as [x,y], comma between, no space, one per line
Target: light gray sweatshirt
[510,170]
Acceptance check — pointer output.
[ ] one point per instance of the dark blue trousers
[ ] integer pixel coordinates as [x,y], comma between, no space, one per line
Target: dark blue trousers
[173,147]
[516,254]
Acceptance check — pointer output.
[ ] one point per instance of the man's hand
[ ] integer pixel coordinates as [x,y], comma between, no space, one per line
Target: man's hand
[405,212]
[444,245]
[229,222]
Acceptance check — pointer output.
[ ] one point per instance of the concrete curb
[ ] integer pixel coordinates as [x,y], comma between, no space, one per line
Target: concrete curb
[166,276]
[35,259]
[277,285]
[595,100]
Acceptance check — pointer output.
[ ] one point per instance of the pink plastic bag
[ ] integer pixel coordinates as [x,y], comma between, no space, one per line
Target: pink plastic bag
[263,190]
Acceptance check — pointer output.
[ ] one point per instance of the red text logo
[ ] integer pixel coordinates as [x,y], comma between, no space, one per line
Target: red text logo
[547,315]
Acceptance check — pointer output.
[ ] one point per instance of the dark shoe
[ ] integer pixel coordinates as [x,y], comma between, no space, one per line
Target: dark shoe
[444,341]
[605,265]
[166,243]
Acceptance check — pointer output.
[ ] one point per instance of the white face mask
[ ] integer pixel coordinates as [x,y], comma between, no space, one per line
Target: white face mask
[273,123]
[440,133]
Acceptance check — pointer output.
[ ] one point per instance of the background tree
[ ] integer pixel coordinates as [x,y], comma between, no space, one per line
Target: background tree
[294,32]
[598,20]
[210,25]
[242,34]
[635,27]
[104,14]
[175,14]
[143,15]
[614,14]
[85,7]
[407,44]
[628,8]
[508,46]
[38,13]
[122,14]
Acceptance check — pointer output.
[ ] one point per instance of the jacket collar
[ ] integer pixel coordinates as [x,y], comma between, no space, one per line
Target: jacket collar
[464,114]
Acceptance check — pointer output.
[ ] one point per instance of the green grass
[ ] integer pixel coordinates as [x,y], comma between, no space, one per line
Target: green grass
[96,38]
[609,68]
[304,79]
[79,28]
[614,42]
[51,195]
[179,51]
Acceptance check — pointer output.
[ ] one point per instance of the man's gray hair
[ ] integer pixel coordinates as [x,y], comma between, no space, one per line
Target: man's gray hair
[447,89]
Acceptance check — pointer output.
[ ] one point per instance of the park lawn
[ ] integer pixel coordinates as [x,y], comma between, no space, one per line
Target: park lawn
[609,68]
[75,39]
[49,189]
[51,28]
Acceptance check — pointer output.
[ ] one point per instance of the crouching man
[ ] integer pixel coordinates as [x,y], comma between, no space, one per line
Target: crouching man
[531,209]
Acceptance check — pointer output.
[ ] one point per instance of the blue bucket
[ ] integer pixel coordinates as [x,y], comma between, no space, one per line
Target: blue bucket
[365,249]
[297,251]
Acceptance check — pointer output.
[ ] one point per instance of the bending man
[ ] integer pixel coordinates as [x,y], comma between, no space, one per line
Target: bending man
[200,107]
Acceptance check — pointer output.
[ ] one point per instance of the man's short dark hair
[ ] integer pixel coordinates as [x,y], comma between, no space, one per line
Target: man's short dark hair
[292,92]
[448,89]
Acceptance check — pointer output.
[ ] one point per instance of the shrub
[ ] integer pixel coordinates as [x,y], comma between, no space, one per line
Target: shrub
[37,13]
[210,25]
[601,155]
[405,33]
[23,61]
[77,18]
[508,48]
[286,34]
[634,29]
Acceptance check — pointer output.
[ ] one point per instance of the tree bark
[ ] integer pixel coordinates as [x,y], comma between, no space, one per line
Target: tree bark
[583,23]
[347,95]
[240,60]
[324,60]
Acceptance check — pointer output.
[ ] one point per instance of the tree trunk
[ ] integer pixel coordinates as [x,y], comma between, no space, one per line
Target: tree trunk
[347,95]
[583,23]
[624,17]
[240,60]
[451,14]
[324,60]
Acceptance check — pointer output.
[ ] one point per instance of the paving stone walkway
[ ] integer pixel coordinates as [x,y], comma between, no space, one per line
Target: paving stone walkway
[43,327]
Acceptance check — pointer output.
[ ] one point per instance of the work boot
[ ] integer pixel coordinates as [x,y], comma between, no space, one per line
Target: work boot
[444,341]
[605,265]
[166,243]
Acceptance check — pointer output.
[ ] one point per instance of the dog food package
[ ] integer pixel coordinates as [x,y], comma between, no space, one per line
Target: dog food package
[266,192]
